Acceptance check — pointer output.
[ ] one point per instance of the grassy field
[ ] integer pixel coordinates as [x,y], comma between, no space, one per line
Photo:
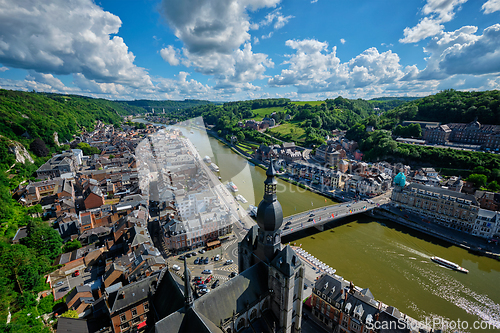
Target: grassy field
[261,113]
[312,103]
[298,133]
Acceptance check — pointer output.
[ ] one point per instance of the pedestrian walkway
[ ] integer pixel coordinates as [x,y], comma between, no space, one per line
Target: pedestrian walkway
[229,268]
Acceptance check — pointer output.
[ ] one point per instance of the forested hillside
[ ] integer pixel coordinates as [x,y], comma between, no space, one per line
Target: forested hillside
[449,106]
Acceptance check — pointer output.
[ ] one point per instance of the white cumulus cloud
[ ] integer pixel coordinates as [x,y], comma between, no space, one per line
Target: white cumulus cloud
[439,11]
[66,37]
[216,40]
[491,6]
[313,68]
[171,55]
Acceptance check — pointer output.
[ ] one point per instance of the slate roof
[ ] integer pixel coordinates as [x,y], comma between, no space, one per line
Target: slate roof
[245,288]
[188,320]
[328,286]
[134,293]
[208,310]
[169,296]
[287,261]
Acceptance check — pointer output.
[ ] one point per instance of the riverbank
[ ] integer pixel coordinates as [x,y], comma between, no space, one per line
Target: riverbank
[337,195]
[471,243]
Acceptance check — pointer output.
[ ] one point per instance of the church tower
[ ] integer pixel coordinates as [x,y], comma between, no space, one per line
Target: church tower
[285,270]
[269,219]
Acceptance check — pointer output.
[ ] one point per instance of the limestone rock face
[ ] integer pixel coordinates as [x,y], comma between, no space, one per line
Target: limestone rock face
[56,138]
[22,155]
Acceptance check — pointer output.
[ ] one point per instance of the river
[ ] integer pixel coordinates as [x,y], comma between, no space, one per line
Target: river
[389,259]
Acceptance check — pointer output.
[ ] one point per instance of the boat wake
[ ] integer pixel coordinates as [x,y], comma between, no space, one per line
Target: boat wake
[441,284]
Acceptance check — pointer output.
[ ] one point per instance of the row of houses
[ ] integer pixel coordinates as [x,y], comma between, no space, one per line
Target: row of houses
[449,208]
[345,308]
[361,179]
[287,151]
[473,133]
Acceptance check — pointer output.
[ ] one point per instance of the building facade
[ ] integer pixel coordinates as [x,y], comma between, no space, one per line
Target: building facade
[445,207]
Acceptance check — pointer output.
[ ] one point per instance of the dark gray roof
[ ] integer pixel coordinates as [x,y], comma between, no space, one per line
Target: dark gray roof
[72,325]
[287,261]
[328,286]
[189,321]
[169,296]
[237,293]
[134,293]
[208,310]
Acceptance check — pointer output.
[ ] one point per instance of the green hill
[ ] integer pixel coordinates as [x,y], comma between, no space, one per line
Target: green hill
[451,106]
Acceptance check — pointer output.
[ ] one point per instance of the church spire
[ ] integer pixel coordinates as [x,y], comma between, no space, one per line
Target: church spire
[188,295]
[270,183]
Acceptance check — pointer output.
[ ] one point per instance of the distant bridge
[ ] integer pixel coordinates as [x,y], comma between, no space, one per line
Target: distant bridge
[318,217]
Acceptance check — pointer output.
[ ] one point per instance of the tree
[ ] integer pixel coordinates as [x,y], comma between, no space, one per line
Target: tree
[477,179]
[494,186]
[70,314]
[72,245]
[87,149]
[45,241]
[240,136]
[38,147]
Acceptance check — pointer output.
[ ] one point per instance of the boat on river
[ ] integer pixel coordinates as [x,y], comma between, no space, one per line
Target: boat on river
[207,159]
[232,187]
[214,167]
[449,264]
[241,198]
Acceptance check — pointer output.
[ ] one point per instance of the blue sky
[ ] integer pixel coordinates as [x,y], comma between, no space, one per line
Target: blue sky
[224,50]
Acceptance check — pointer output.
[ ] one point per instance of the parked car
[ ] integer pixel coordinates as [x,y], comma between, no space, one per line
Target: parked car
[181,258]
[197,278]
[202,251]
[76,273]
[63,289]
[311,215]
[188,255]
[206,261]
[215,284]
[286,227]
[208,279]
[232,275]
[193,254]
[176,268]
[217,257]
[204,291]
[201,286]
[207,271]
[288,223]
[197,261]
[58,284]
[88,269]
[228,262]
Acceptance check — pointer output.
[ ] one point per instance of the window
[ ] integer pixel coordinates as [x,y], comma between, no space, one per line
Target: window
[136,320]
[123,318]
[124,326]
[134,312]
[146,306]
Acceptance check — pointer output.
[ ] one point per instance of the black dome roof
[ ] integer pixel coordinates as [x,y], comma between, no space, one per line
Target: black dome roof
[269,215]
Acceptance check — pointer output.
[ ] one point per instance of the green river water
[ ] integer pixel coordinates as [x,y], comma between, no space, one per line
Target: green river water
[391,260]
